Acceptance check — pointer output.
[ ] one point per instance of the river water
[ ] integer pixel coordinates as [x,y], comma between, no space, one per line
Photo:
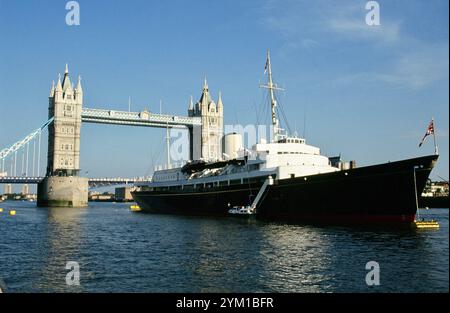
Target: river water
[122,251]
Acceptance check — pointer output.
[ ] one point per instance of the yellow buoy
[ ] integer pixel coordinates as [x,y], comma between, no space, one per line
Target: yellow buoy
[135,208]
[1,210]
[12,212]
[426,224]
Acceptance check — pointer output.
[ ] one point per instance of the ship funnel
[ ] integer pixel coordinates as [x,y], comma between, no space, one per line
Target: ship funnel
[232,143]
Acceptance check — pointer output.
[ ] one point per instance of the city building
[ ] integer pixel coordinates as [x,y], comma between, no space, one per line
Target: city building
[124,194]
[435,189]
[25,189]
[8,189]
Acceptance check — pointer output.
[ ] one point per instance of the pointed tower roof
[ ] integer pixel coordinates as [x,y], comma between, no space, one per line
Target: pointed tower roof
[58,85]
[191,104]
[205,98]
[79,89]
[66,81]
[219,102]
[52,90]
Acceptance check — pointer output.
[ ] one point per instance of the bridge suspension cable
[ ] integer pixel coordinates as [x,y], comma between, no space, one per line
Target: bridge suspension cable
[24,143]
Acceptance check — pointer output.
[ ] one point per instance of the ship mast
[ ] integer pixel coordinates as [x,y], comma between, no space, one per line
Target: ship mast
[273,102]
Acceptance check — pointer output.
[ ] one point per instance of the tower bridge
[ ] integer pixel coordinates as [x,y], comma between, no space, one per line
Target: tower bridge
[93,182]
[143,118]
[62,185]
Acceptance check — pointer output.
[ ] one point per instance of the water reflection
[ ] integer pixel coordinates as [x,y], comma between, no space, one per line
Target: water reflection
[258,256]
[245,254]
[295,258]
[121,251]
[64,241]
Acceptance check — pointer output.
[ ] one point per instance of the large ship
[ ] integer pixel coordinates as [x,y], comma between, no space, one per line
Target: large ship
[284,178]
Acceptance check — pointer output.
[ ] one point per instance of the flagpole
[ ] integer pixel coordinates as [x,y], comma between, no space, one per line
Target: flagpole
[434,138]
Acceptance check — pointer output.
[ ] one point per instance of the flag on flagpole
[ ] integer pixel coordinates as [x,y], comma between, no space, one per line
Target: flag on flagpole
[430,131]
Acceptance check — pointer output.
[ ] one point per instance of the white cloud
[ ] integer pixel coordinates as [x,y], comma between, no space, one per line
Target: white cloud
[420,67]
[404,61]
[417,68]
[348,21]
[356,29]
[304,22]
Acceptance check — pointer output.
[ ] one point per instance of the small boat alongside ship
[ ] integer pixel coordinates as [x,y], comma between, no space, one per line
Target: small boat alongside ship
[286,178]
[242,211]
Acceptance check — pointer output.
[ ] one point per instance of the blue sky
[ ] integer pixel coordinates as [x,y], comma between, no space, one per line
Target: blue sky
[367,92]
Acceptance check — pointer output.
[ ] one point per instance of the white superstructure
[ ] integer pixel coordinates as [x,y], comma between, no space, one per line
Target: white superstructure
[284,157]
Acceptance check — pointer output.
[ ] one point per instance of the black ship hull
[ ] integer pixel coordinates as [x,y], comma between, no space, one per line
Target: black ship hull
[434,202]
[383,193]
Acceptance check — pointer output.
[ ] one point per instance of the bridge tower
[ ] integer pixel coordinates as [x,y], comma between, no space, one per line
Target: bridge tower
[62,185]
[209,146]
